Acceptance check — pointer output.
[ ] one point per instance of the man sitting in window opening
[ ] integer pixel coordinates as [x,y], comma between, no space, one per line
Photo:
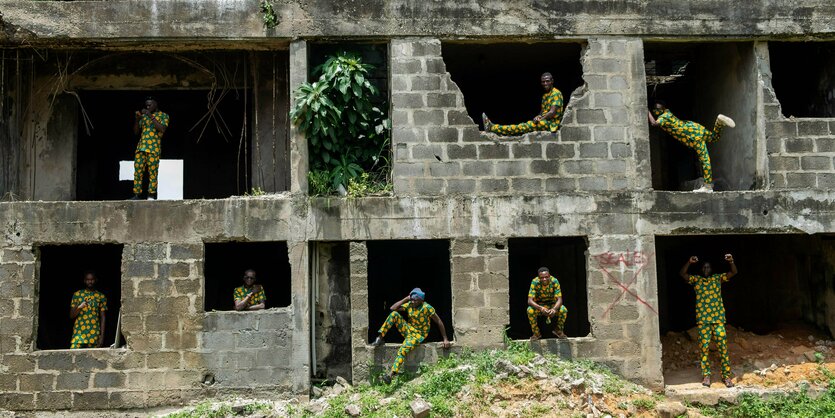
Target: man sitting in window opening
[250,296]
[691,134]
[545,299]
[150,124]
[87,309]
[548,119]
[710,314]
[414,331]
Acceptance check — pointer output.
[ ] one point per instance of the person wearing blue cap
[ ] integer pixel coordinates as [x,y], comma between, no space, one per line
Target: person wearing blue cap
[414,331]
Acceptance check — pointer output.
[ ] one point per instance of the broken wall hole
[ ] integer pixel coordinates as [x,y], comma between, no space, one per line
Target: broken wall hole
[698,81]
[565,257]
[502,79]
[61,271]
[331,278]
[808,89]
[395,268]
[782,295]
[225,264]
[214,162]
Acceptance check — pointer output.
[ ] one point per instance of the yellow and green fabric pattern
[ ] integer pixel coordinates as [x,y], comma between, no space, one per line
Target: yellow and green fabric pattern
[414,331]
[545,293]
[710,317]
[148,152]
[242,292]
[551,98]
[87,327]
[693,135]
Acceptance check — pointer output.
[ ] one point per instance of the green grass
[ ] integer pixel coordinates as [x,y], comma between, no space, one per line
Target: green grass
[799,405]
[644,404]
[203,410]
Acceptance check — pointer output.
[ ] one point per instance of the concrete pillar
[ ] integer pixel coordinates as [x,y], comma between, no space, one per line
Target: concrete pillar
[360,354]
[298,143]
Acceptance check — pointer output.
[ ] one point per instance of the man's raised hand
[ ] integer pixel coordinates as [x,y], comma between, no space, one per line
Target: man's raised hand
[694,259]
[729,258]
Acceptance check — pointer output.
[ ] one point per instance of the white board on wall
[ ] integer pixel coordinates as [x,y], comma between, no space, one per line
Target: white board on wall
[170,185]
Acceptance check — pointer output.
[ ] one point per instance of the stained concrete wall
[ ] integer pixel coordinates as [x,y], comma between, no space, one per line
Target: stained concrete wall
[332,310]
[439,150]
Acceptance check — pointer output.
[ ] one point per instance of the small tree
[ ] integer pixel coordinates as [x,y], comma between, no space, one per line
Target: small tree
[347,135]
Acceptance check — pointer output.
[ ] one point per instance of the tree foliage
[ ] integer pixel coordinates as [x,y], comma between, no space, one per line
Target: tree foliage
[347,135]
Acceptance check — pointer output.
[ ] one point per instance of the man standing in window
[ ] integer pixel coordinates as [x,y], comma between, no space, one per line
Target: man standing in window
[548,119]
[545,299]
[250,296]
[710,314]
[87,308]
[150,124]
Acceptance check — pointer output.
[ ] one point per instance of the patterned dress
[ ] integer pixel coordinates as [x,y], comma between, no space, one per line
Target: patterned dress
[693,135]
[545,293]
[87,327]
[710,317]
[414,331]
[241,293]
[549,99]
[148,152]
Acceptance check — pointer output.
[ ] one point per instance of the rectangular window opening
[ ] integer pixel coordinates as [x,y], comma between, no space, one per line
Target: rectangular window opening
[61,273]
[395,268]
[503,79]
[226,263]
[371,152]
[565,257]
[777,307]
[699,81]
[803,77]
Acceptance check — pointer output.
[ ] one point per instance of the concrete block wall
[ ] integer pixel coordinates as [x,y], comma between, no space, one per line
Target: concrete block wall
[800,151]
[438,149]
[480,286]
[172,345]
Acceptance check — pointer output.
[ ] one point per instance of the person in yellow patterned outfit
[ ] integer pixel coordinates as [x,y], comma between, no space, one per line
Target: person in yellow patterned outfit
[545,299]
[250,296]
[710,314]
[414,331]
[691,134]
[548,119]
[87,308]
[150,125]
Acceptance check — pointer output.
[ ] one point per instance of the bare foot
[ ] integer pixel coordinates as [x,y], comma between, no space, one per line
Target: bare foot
[706,381]
[535,337]
[561,335]
[728,382]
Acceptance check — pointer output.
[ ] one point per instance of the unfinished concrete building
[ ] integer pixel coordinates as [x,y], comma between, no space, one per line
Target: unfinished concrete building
[603,202]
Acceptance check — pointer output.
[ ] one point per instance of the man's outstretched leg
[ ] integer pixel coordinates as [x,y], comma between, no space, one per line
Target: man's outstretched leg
[721,122]
[394,319]
[518,129]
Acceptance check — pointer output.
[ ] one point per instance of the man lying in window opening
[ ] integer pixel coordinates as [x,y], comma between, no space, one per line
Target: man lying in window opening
[545,299]
[710,314]
[250,296]
[87,309]
[150,124]
[548,119]
[414,331]
[691,134]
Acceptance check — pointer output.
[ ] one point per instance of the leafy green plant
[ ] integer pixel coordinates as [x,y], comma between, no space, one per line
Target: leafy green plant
[256,191]
[644,404]
[347,135]
[268,14]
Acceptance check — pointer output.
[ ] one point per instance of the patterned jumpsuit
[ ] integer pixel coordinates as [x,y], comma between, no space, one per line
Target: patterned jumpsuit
[242,291]
[545,294]
[693,135]
[710,317]
[413,332]
[148,151]
[551,98]
[87,326]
